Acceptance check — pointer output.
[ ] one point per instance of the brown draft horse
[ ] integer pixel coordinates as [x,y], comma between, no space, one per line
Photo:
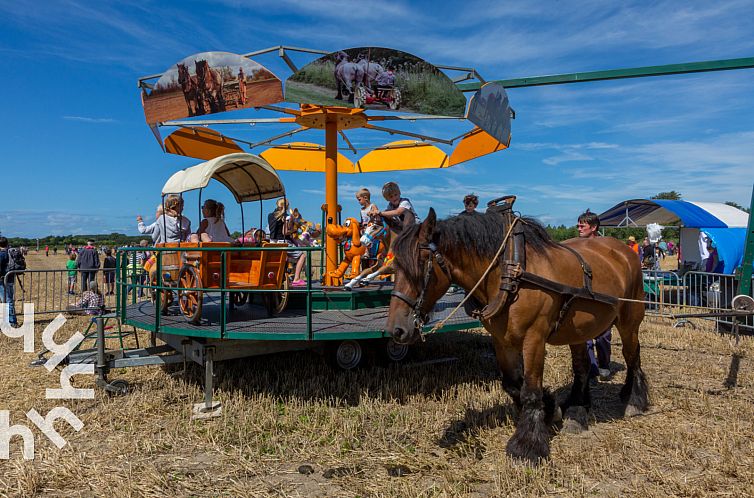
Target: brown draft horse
[210,83]
[190,91]
[432,256]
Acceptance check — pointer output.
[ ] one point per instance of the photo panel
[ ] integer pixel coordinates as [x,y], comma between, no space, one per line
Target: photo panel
[208,83]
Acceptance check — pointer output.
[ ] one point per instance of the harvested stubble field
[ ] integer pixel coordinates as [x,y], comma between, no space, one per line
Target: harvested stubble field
[418,429]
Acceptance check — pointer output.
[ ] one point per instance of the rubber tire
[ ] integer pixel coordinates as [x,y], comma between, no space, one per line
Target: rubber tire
[239,298]
[348,354]
[394,352]
[276,302]
[189,277]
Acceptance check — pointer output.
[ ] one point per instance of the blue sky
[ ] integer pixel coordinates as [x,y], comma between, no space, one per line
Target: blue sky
[79,158]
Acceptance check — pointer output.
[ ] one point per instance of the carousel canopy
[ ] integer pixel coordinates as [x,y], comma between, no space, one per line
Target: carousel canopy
[640,212]
[247,176]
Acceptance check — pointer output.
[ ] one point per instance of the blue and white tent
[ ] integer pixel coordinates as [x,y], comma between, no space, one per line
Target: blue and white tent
[724,224]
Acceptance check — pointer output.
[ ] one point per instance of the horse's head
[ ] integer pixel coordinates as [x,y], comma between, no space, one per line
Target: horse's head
[373,232]
[422,277]
[201,69]
[183,73]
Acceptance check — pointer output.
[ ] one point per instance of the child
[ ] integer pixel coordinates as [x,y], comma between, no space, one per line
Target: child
[363,197]
[213,227]
[109,272]
[92,302]
[71,266]
[252,238]
[395,215]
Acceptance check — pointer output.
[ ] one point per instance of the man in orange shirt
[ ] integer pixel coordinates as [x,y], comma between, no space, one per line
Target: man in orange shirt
[633,245]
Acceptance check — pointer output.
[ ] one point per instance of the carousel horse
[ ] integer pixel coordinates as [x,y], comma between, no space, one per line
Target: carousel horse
[537,292]
[376,238]
[353,249]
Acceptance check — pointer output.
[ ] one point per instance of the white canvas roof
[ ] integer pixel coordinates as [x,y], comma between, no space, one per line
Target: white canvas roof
[248,176]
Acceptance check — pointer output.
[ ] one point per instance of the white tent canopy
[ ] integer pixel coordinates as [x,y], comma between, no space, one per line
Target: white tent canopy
[248,176]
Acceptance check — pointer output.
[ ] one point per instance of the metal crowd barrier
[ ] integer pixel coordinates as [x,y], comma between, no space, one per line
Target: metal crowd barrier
[664,292]
[713,292]
[48,289]
[667,294]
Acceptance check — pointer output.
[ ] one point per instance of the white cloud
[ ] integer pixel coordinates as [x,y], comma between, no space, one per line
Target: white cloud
[85,119]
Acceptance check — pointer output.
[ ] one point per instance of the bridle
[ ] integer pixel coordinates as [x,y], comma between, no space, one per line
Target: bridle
[378,233]
[421,316]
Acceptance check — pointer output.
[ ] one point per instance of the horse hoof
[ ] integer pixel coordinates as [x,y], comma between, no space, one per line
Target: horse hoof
[530,454]
[633,411]
[575,420]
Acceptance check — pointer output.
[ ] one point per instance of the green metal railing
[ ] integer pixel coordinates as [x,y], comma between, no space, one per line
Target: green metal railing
[131,277]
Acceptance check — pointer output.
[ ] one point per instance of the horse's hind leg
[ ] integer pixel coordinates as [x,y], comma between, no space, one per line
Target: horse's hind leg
[635,392]
[576,407]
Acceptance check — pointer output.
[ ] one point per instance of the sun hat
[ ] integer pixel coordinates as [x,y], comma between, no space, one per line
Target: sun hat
[632,238]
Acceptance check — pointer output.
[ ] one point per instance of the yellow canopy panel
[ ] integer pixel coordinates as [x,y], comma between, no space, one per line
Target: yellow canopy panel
[475,144]
[303,156]
[403,155]
[201,143]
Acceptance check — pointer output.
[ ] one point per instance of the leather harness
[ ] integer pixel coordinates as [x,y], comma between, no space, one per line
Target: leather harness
[513,271]
[512,264]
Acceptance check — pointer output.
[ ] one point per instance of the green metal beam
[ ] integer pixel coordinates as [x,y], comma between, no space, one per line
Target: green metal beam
[744,272]
[616,74]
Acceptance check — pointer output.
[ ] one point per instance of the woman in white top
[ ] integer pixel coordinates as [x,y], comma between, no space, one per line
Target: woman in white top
[171,226]
[212,228]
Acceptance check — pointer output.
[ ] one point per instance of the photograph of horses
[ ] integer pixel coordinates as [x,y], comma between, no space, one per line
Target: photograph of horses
[376,78]
[208,83]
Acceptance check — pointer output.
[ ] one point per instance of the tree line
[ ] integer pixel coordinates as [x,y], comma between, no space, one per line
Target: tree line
[61,241]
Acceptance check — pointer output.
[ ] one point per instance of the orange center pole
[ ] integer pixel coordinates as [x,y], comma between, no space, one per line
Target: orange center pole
[331,197]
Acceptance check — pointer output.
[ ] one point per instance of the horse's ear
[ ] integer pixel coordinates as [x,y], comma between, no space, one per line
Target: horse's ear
[428,227]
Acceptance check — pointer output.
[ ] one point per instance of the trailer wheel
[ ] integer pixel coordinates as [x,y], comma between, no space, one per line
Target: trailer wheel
[346,355]
[276,302]
[239,298]
[394,352]
[190,301]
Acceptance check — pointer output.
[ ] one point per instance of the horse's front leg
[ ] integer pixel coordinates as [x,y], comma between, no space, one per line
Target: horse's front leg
[576,407]
[531,440]
[511,365]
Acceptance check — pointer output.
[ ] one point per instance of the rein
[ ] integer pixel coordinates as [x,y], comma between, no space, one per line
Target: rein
[420,317]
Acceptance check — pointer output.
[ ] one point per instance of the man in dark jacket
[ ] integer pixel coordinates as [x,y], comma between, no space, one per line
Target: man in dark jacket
[88,263]
[6,291]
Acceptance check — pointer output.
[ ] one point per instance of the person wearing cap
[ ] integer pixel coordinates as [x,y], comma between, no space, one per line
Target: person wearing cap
[632,244]
[470,202]
[588,225]
[87,263]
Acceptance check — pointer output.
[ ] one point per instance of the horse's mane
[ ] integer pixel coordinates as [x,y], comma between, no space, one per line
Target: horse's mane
[477,234]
